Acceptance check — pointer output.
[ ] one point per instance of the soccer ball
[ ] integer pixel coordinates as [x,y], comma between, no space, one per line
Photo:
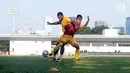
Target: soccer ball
[45,53]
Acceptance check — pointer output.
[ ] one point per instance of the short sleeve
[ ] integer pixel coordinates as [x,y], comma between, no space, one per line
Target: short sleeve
[82,26]
[66,21]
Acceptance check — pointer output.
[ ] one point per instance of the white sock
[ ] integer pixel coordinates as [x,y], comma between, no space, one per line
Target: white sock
[60,56]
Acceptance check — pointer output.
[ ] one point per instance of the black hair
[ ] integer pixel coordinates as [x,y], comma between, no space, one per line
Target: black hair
[59,13]
[79,16]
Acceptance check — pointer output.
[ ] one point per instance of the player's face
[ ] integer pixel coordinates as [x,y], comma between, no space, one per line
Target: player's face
[60,17]
[78,20]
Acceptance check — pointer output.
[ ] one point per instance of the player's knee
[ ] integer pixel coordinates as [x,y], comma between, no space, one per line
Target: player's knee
[76,46]
[63,42]
[57,43]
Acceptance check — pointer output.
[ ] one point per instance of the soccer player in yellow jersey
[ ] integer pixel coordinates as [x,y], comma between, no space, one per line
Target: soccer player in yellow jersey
[63,21]
[67,37]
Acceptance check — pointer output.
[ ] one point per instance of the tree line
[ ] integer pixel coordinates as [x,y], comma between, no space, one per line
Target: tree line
[96,30]
[4,45]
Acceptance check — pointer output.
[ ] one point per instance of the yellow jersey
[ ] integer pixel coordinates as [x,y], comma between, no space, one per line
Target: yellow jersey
[65,22]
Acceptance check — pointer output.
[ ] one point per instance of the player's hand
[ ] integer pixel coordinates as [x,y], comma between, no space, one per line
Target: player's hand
[88,18]
[48,23]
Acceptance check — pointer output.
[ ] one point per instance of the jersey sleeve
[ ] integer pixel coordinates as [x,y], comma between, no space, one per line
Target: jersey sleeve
[82,26]
[66,21]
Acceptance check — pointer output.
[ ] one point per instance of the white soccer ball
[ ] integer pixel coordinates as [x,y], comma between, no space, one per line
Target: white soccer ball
[45,53]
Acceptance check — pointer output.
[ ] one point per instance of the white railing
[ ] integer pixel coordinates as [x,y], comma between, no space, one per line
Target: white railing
[98,49]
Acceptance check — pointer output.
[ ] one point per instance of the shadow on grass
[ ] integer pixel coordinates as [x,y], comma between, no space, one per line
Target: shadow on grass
[39,64]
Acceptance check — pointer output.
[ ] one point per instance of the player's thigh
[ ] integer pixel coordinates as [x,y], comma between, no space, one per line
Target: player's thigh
[64,39]
[59,39]
[73,42]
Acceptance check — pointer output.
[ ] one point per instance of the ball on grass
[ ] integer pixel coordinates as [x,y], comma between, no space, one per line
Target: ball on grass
[45,53]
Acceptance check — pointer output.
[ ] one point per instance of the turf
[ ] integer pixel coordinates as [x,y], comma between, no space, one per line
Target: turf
[39,64]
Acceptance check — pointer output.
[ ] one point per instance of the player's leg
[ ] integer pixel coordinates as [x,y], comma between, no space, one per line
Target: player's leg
[56,48]
[61,53]
[77,52]
[55,53]
[62,50]
[74,43]
[56,45]
[63,40]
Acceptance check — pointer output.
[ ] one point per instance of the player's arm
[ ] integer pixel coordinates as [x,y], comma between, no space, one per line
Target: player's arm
[82,26]
[87,21]
[54,23]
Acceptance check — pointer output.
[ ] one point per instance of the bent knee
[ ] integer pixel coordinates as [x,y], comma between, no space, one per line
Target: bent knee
[76,46]
[57,43]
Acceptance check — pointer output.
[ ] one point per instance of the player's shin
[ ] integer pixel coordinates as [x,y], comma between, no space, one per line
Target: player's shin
[61,52]
[57,47]
[55,53]
[77,52]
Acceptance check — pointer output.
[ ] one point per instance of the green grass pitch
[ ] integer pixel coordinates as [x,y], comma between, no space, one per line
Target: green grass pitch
[39,64]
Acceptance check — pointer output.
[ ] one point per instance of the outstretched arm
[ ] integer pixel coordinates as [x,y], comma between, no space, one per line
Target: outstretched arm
[82,26]
[87,21]
[54,23]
